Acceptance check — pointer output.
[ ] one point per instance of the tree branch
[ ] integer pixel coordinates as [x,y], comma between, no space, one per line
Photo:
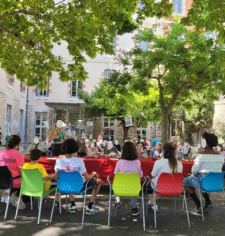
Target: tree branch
[176,94]
[21,11]
[17,36]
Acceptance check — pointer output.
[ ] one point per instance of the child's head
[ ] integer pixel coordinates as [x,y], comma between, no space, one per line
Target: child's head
[35,154]
[70,146]
[158,146]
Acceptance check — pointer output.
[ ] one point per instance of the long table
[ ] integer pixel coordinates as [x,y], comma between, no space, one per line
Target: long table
[105,166]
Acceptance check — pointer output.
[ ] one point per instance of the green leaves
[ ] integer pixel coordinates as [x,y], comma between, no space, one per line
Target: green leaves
[31,30]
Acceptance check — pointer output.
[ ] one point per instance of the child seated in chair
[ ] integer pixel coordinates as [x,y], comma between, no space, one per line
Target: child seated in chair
[35,155]
[71,163]
[129,163]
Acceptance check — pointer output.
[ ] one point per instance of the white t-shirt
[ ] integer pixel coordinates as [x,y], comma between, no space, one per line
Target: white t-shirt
[70,165]
[162,166]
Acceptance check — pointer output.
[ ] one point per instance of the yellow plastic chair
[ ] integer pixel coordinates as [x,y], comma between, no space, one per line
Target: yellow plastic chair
[126,185]
[32,184]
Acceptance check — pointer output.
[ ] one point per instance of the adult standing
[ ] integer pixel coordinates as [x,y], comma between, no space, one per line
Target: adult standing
[105,137]
[100,137]
[57,135]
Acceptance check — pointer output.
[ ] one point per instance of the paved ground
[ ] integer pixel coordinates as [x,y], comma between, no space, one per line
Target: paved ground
[67,224]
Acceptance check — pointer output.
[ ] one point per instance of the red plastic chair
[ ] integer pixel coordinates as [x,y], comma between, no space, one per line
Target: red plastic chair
[170,185]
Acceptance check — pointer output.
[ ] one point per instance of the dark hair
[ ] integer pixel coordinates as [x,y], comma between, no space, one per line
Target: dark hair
[129,152]
[143,145]
[106,133]
[70,146]
[83,144]
[211,139]
[35,154]
[169,153]
[13,141]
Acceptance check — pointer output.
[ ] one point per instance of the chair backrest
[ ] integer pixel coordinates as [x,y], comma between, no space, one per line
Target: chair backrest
[170,184]
[31,182]
[70,182]
[5,177]
[213,182]
[126,185]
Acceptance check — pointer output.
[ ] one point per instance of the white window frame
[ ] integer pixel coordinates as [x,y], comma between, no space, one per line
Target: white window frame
[43,92]
[175,8]
[22,87]
[11,80]
[41,126]
[108,73]
[76,85]
[8,119]
[109,127]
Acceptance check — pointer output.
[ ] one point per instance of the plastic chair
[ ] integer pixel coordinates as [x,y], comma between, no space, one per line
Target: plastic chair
[126,185]
[32,185]
[213,182]
[6,184]
[170,185]
[71,183]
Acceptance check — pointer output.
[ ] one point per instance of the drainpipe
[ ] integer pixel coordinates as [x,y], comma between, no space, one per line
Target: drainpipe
[26,118]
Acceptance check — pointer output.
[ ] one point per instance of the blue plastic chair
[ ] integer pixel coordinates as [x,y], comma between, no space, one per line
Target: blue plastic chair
[71,183]
[213,182]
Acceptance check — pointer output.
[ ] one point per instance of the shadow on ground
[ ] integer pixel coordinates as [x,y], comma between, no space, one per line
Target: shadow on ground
[70,224]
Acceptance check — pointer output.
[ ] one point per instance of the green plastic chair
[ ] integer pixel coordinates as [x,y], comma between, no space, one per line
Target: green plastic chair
[126,185]
[32,184]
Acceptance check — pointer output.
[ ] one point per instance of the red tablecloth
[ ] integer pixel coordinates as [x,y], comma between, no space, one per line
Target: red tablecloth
[106,166]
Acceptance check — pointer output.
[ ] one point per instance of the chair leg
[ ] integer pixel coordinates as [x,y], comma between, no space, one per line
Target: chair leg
[85,195]
[175,204]
[39,213]
[38,203]
[110,206]
[17,208]
[185,201]
[31,203]
[143,206]
[94,198]
[155,211]
[60,203]
[7,207]
[146,201]
[66,204]
[200,196]
[53,205]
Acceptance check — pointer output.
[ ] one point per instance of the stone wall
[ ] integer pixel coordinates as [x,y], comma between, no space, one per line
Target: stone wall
[2,115]
[30,123]
[15,117]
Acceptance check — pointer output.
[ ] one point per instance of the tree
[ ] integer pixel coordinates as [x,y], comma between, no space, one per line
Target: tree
[207,15]
[29,29]
[180,62]
[115,99]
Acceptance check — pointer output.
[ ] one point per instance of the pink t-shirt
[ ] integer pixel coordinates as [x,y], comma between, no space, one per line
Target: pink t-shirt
[13,159]
[126,166]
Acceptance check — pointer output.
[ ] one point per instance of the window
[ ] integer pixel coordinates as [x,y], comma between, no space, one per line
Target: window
[75,86]
[109,128]
[8,118]
[11,80]
[143,45]
[22,88]
[108,73]
[142,131]
[177,6]
[43,92]
[40,129]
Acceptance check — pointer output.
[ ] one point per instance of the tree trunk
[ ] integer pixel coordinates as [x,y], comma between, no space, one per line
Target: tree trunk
[199,135]
[125,130]
[136,124]
[165,125]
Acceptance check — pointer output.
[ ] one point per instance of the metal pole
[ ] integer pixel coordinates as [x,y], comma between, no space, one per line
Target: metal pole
[26,118]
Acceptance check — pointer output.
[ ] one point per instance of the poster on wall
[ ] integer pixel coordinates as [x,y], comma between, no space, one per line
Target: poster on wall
[128,121]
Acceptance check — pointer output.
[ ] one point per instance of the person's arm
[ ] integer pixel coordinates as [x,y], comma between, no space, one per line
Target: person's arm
[49,176]
[20,160]
[42,147]
[52,135]
[57,167]
[196,167]
[140,172]
[90,176]
[155,169]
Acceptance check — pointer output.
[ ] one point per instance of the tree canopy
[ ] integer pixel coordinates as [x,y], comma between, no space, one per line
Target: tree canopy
[30,28]
[207,15]
[181,62]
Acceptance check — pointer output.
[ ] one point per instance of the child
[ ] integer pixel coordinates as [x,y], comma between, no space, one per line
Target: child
[129,163]
[71,163]
[35,155]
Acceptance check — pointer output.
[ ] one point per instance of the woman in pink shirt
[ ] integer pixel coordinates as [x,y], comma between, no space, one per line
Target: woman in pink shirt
[129,163]
[14,160]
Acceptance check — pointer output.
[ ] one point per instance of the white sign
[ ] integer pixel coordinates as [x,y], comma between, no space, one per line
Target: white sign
[128,121]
